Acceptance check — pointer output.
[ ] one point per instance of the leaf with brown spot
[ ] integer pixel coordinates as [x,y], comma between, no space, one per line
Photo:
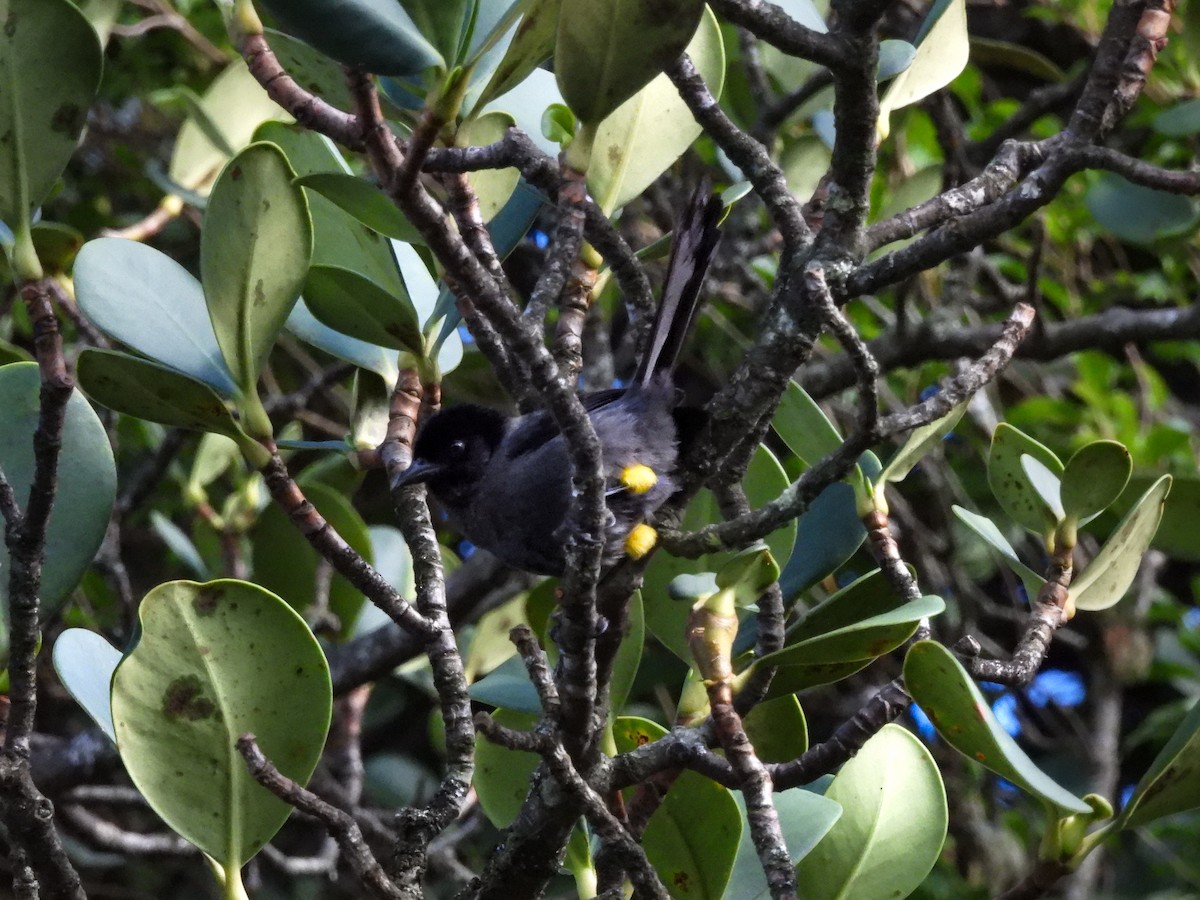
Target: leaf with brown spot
[943,689]
[206,670]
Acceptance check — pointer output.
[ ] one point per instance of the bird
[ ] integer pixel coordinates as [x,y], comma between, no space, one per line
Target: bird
[505,480]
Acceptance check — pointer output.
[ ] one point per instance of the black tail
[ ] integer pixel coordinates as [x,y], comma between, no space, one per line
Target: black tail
[692,251]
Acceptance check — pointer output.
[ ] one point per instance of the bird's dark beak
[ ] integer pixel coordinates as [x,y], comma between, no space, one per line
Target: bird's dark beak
[418,473]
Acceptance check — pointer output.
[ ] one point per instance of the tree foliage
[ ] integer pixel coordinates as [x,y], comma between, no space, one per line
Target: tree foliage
[920,619]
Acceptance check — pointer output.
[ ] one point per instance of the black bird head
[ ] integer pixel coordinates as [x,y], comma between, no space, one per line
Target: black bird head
[453,450]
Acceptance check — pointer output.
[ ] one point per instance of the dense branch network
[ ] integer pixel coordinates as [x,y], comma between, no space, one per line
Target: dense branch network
[823,266]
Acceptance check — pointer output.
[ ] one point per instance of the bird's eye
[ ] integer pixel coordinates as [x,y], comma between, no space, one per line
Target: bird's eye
[458,448]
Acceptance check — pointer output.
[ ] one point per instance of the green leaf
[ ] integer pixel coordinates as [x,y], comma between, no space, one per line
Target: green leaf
[631,732]
[502,775]
[531,45]
[608,50]
[944,690]
[236,105]
[508,687]
[215,661]
[828,534]
[749,573]
[1109,575]
[941,55]
[50,65]
[1094,478]
[179,544]
[693,836]
[490,645]
[804,161]
[804,427]
[198,114]
[155,393]
[667,620]
[777,729]
[318,73]
[87,483]
[919,444]
[254,255]
[355,305]
[892,827]
[85,663]
[792,679]
[376,35]
[1137,214]
[1010,483]
[629,656]
[287,565]
[441,22]
[304,325]
[986,529]
[639,140]
[862,621]
[364,201]
[1180,120]
[338,238]
[994,54]
[493,187]
[1172,783]
[146,300]
[894,57]
[1047,485]
[804,818]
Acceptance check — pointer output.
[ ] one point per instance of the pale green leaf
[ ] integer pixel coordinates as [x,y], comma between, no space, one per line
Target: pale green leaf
[1111,572]
[215,661]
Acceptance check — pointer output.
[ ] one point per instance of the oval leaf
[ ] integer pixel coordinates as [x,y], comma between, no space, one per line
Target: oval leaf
[502,775]
[50,64]
[1011,484]
[214,661]
[1046,483]
[152,392]
[693,836]
[85,663]
[1094,478]
[338,238]
[828,534]
[944,690]
[235,105]
[531,45]
[942,52]
[778,730]
[1172,783]
[804,427]
[254,255]
[667,620]
[304,325]
[287,565]
[919,443]
[804,818]
[87,482]
[642,138]
[354,305]
[867,637]
[375,35]
[492,187]
[986,529]
[147,301]
[608,50]
[892,827]
[1109,575]
[629,656]
[1137,214]
[364,201]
